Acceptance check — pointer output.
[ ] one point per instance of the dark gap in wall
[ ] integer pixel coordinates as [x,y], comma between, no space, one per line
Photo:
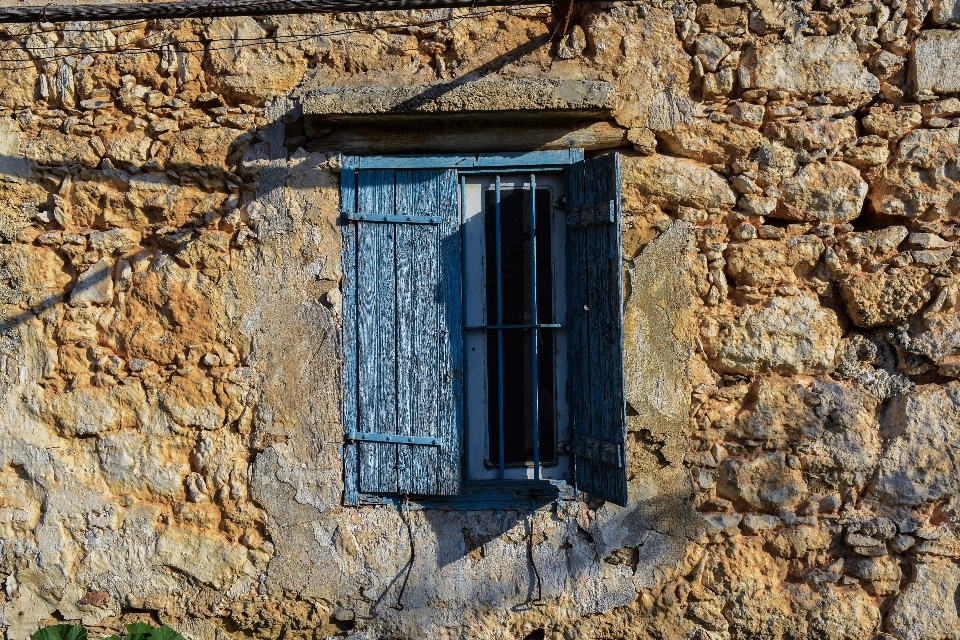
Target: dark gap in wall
[342,625]
[930,377]
[538,634]
[295,134]
[866,223]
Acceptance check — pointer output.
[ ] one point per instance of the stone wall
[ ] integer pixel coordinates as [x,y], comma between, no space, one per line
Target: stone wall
[170,318]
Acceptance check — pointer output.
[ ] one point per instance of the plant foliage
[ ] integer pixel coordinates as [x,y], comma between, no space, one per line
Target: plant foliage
[135,631]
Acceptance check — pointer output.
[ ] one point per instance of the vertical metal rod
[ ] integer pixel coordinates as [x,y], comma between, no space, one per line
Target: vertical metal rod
[500,444]
[534,332]
[465,436]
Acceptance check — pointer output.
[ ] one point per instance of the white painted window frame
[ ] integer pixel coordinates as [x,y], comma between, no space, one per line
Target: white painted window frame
[476,434]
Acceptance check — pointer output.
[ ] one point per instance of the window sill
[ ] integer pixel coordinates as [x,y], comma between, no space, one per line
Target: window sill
[481,495]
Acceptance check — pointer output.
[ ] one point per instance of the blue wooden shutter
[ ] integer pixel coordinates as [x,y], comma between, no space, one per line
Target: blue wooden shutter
[402,332]
[595,328]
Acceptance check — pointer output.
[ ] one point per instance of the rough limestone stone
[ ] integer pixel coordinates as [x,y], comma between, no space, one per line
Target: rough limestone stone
[885,297]
[55,148]
[927,608]
[565,96]
[30,275]
[812,65]
[923,175]
[765,263]
[935,55]
[573,43]
[130,149]
[920,464]
[13,166]
[95,285]
[831,192]
[251,73]
[946,12]
[765,483]
[133,465]
[660,304]
[873,246]
[835,420]
[785,335]
[668,181]
[172,451]
[96,410]
[846,453]
[203,557]
[941,339]
[710,142]
[849,615]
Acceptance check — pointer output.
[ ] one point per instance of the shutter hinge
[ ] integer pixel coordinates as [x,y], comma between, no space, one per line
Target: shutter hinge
[591,214]
[392,438]
[393,218]
[599,450]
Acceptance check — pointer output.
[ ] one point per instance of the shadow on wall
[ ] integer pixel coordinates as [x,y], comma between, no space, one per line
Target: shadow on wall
[595,556]
[494,559]
[523,560]
[477,73]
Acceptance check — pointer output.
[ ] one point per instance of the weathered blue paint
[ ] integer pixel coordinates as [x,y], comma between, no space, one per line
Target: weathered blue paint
[399,218]
[478,161]
[592,213]
[394,438]
[348,197]
[609,453]
[403,335]
[595,329]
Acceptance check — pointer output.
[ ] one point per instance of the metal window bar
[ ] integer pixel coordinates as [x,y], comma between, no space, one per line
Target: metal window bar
[534,331]
[534,327]
[500,437]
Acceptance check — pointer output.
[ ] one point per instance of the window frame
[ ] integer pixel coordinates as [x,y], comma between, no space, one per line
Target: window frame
[480,316]
[475,494]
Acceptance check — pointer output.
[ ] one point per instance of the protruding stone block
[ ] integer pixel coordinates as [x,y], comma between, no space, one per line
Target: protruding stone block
[935,58]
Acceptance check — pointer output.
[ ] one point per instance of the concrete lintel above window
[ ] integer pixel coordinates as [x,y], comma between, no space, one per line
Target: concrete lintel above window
[579,99]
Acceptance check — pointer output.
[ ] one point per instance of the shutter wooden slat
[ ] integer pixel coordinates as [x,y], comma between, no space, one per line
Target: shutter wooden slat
[418,361]
[408,337]
[450,389]
[348,194]
[595,330]
[408,239]
[376,301]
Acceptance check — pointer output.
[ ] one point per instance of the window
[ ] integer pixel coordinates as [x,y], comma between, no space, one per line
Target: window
[507,337]
[483,338]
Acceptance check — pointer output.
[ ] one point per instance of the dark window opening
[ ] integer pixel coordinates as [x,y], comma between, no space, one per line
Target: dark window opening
[518,290]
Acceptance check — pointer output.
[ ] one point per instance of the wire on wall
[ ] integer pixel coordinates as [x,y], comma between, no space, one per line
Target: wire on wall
[200,46]
[52,13]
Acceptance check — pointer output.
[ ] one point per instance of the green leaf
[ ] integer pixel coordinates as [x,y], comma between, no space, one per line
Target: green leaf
[114,637]
[166,633]
[61,632]
[139,631]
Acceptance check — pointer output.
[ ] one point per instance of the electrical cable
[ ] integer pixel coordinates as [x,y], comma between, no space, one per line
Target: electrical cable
[205,45]
[52,13]
[405,506]
[533,564]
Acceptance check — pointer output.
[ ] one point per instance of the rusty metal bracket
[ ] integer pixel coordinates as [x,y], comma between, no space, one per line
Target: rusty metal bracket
[564,13]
